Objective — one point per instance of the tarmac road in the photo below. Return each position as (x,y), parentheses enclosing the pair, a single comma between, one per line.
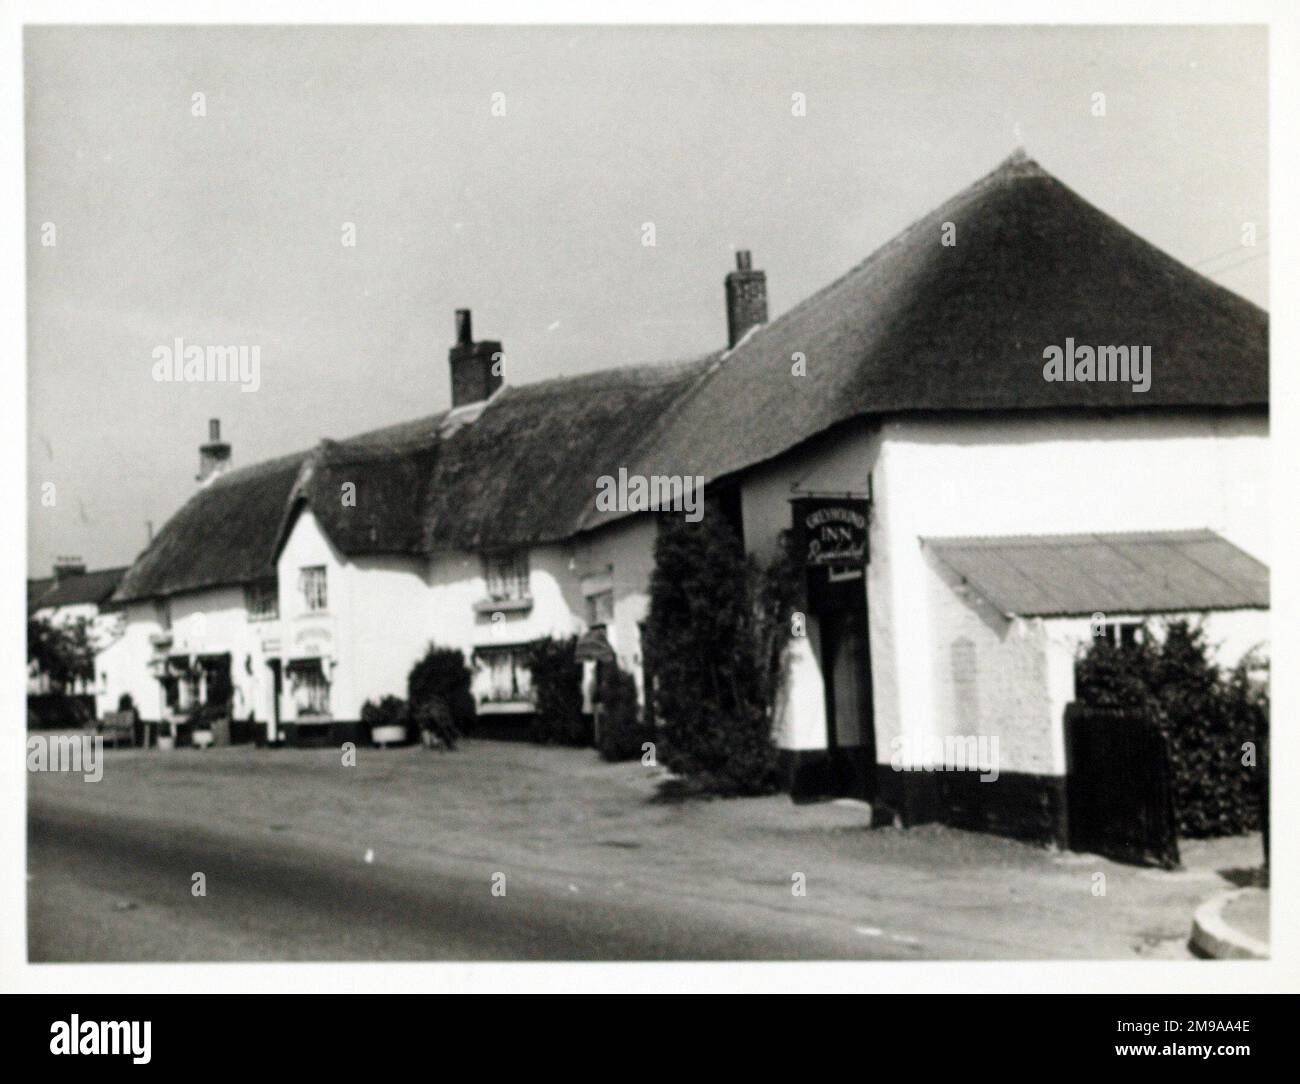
(109,888)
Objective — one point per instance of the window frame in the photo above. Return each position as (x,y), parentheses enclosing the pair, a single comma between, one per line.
(258,592)
(518,656)
(306,577)
(512,584)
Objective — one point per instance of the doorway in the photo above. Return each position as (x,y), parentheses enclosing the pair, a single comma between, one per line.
(846,676)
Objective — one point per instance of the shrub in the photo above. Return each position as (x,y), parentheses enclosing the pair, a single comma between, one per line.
(717,631)
(442,673)
(204,716)
(389,711)
(557,693)
(621,729)
(1206,716)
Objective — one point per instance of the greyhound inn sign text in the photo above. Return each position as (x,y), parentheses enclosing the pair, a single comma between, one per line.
(834,532)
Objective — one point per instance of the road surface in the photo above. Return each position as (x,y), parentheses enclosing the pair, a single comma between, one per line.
(108,888)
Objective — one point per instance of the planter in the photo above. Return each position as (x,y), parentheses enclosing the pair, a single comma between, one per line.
(202,739)
(166,742)
(388,735)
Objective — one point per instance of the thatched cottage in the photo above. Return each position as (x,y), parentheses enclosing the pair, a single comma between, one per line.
(957,505)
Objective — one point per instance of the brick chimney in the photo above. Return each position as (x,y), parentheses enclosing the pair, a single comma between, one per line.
(67,567)
(476,370)
(746,299)
(214,457)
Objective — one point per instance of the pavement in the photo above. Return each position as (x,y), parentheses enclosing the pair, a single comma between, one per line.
(511,851)
(1233,925)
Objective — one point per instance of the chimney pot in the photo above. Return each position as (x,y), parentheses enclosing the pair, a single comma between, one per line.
(746,298)
(475,366)
(214,456)
(66,567)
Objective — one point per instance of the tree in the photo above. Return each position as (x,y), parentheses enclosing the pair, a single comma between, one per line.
(1209,719)
(442,675)
(62,652)
(717,631)
(557,692)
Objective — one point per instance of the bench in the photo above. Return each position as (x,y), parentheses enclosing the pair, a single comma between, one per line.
(116,726)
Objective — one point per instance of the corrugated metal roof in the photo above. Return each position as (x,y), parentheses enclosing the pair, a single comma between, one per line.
(1142,572)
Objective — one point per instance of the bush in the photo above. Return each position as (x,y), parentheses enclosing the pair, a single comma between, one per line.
(717,631)
(1206,716)
(557,693)
(390,711)
(622,732)
(204,716)
(442,673)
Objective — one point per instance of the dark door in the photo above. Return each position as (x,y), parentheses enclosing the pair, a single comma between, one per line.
(850,727)
(1119,786)
(277,680)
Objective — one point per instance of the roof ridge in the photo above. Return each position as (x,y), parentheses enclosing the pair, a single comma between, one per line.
(1015,167)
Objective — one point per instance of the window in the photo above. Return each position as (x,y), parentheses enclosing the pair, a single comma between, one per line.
(504,676)
(162,610)
(506,575)
(1121,633)
(262,601)
(311,581)
(600,609)
(310,688)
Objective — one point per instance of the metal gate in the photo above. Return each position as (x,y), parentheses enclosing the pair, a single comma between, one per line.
(1119,786)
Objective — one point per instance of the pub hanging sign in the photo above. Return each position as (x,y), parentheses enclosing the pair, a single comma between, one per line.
(832,531)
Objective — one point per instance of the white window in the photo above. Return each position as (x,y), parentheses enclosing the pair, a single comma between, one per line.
(505,675)
(506,575)
(311,581)
(262,601)
(310,688)
(1122,633)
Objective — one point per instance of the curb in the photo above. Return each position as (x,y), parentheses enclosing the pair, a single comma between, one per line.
(1212,936)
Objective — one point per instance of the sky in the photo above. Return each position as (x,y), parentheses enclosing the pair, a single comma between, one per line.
(225,225)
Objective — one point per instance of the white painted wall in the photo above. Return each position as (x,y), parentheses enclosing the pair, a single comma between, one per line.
(989,476)
(622,554)
(383,612)
(211,622)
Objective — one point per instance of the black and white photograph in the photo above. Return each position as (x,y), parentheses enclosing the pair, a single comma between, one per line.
(536,490)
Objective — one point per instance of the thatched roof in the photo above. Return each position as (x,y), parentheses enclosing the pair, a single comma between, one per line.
(526,470)
(920,327)
(225,534)
(917,327)
(517,472)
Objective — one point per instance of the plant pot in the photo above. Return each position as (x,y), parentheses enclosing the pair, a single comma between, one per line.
(202,739)
(388,735)
(166,742)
